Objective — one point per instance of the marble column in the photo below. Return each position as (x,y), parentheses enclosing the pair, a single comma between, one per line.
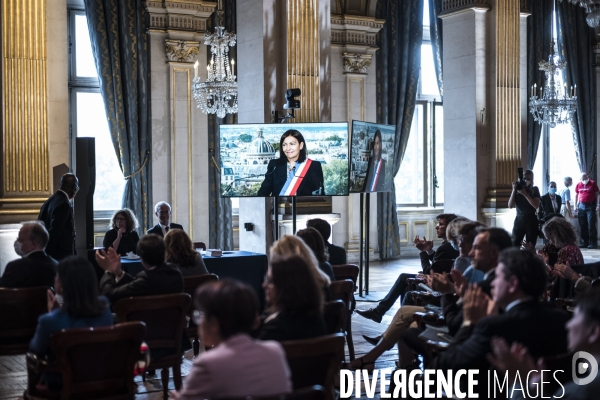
(353,93)
(179,129)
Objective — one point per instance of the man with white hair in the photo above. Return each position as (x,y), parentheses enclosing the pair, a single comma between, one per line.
(35,268)
(162,210)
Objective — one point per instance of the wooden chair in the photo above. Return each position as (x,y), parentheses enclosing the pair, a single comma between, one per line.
(95,363)
(165,319)
(347,271)
(316,392)
(334,314)
(19,312)
(200,245)
(344,290)
(315,361)
(190,284)
(441,266)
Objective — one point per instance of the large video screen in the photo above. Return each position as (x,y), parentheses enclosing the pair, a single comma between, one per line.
(371,157)
(297,159)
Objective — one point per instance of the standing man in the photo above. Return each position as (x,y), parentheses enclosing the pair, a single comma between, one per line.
(550,203)
(57,215)
(35,268)
(162,210)
(586,193)
(566,199)
(337,254)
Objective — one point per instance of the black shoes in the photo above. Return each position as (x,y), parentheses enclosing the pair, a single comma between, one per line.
(372,340)
(583,246)
(371,314)
(592,246)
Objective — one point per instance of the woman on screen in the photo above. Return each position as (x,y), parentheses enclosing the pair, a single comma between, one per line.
(293,174)
(375,180)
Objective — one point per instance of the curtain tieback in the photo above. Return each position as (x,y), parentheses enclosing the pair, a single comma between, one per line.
(212,158)
(141,168)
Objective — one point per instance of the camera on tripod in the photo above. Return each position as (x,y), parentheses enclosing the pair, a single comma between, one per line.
(520,182)
(291,102)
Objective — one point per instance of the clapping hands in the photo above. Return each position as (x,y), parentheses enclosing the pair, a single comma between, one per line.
(109,261)
(423,244)
(565,271)
(477,304)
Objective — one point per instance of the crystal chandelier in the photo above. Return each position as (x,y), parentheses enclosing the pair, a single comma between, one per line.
(592,9)
(218,95)
(555,104)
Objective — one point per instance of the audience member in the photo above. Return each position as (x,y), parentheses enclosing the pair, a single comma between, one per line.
(466,235)
(550,203)
(518,286)
(181,252)
(560,233)
(238,366)
(586,201)
(337,254)
(76,282)
(35,268)
(527,201)
(295,301)
(57,215)
(444,252)
(157,277)
(289,245)
(162,210)
(315,242)
(122,235)
(565,197)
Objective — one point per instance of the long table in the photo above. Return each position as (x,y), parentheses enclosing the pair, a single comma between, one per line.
(244,266)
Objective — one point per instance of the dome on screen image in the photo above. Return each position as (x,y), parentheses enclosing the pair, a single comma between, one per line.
(260,151)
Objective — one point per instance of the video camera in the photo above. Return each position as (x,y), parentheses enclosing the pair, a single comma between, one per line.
(520,182)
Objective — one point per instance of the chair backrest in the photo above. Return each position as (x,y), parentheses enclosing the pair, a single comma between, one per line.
(164,317)
(441,266)
(346,271)
(19,312)
(98,362)
(343,290)
(199,245)
(315,361)
(590,269)
(191,283)
(334,314)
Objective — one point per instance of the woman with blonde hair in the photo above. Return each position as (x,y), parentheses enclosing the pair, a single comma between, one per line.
(181,253)
(289,245)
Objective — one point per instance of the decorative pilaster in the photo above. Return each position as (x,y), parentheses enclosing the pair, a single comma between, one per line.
(356,63)
(25,157)
(181,51)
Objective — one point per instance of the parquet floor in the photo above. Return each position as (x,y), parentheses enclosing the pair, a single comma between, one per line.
(13,375)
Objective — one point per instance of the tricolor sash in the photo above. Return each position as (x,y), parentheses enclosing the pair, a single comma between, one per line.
(374,184)
(291,185)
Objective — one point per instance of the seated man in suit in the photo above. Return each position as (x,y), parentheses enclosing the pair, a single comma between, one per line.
(162,210)
(337,254)
(520,281)
(35,268)
(156,279)
(428,256)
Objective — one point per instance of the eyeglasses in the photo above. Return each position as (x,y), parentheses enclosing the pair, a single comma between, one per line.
(120,219)
(197,317)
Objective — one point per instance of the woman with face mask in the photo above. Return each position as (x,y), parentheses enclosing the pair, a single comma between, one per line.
(527,200)
(550,202)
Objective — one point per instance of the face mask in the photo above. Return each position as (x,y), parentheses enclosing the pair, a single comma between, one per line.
(585,182)
(18,248)
(552,190)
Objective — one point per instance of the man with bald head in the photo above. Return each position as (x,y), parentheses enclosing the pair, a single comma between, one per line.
(586,195)
(57,215)
(35,268)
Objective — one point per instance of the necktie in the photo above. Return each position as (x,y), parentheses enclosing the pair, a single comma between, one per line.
(166,229)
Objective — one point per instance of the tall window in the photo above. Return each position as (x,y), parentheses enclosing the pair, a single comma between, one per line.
(88,116)
(419,182)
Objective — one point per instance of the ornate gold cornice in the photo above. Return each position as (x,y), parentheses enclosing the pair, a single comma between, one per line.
(355,30)
(184,15)
(181,50)
(356,63)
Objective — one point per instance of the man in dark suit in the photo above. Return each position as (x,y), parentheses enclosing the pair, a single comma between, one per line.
(550,202)
(156,279)
(337,254)
(57,215)
(520,281)
(35,268)
(162,210)
(428,256)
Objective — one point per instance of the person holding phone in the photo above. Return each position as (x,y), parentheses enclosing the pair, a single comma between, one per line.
(526,198)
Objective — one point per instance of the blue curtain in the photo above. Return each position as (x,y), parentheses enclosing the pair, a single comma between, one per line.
(539,34)
(118,32)
(435,33)
(575,41)
(398,65)
(220,214)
